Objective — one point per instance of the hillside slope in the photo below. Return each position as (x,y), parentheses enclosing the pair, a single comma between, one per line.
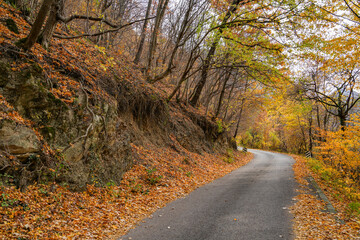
(75,109)
(74,119)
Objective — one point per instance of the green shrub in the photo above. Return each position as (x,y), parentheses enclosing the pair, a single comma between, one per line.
(353,208)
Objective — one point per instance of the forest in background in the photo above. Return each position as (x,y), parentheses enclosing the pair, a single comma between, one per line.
(278,75)
(291,64)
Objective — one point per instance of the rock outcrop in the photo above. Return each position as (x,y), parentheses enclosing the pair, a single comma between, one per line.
(92,141)
(88,140)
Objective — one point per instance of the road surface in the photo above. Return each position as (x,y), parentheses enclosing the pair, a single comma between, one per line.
(250,203)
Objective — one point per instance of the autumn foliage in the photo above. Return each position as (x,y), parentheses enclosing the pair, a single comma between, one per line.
(160,176)
(340,152)
(239,65)
(311,218)
(48,209)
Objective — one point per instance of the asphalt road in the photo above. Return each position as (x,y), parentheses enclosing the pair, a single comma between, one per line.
(249,203)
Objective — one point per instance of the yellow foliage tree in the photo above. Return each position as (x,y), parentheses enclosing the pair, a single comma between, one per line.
(341,150)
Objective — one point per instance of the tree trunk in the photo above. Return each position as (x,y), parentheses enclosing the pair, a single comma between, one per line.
(204,73)
(325,121)
(310,134)
(183,78)
(303,135)
(102,10)
(228,100)
(87,22)
(342,119)
(222,93)
(143,33)
(207,63)
(239,119)
(181,34)
(241,109)
(46,35)
(37,26)
(211,92)
(152,47)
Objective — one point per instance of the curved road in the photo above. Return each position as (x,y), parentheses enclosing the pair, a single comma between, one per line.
(249,203)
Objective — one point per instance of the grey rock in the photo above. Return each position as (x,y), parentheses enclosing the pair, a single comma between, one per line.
(17,139)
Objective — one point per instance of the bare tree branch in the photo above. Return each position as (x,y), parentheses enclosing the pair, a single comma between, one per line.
(101,33)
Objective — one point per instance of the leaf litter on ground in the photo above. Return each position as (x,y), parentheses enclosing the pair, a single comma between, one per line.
(159,176)
(311,218)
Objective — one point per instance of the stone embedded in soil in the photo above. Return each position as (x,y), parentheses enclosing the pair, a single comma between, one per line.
(17,139)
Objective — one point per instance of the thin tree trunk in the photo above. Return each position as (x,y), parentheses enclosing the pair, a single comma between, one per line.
(212,91)
(87,22)
(185,94)
(239,119)
(318,121)
(326,118)
(228,101)
(184,25)
(241,109)
(183,78)
(342,119)
(37,26)
(143,33)
(102,9)
(204,73)
(302,133)
(222,93)
(46,35)
(207,63)
(310,134)
(153,41)
(215,87)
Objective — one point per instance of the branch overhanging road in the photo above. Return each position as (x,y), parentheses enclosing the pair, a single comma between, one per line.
(249,203)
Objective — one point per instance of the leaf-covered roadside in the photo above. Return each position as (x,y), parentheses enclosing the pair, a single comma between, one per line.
(160,176)
(310,219)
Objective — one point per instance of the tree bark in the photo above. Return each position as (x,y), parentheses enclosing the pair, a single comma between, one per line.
(241,109)
(183,78)
(207,63)
(228,100)
(152,47)
(46,35)
(239,119)
(143,34)
(310,134)
(102,10)
(37,26)
(181,35)
(87,22)
(222,93)
(342,119)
